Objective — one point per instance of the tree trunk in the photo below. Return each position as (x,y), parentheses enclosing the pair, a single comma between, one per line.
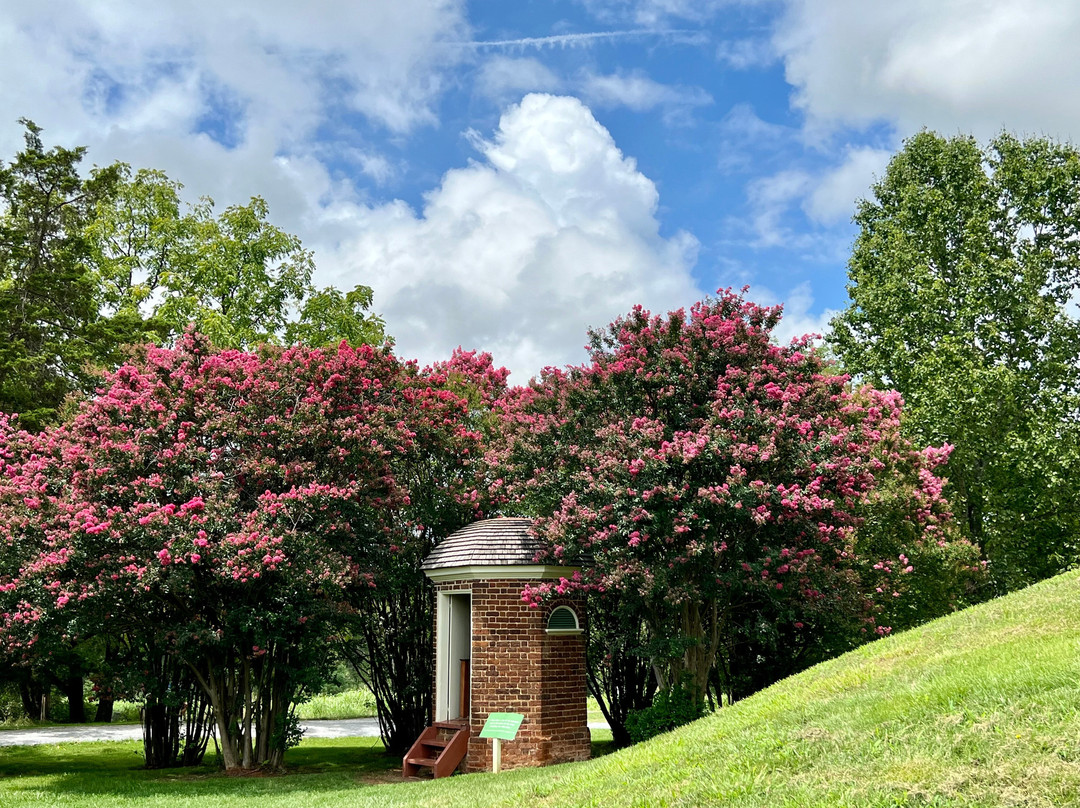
(32,693)
(221,715)
(247,721)
(176,719)
(161,736)
(620,677)
(104,709)
(702,629)
(72,687)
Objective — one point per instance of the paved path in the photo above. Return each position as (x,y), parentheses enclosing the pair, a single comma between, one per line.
(345,728)
(342,728)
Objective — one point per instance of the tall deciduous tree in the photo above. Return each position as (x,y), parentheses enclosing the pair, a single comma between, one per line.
(48,309)
(235,277)
(90,265)
(962,286)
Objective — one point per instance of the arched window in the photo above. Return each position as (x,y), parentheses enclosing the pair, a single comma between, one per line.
(563,620)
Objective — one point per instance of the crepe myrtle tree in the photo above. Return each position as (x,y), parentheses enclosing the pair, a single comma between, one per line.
(389,637)
(713,475)
(30,477)
(233,507)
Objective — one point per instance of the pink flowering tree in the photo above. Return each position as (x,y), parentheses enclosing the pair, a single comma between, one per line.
(718,480)
(388,637)
(48,655)
(231,511)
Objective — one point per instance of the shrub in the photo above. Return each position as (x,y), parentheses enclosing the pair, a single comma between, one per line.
(670,709)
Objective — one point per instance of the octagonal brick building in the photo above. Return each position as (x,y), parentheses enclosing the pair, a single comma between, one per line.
(495,654)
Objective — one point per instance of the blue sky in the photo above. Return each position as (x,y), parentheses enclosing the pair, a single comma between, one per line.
(507,174)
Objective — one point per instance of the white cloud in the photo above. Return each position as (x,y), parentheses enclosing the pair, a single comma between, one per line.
(501,76)
(655,12)
(79,66)
(834,194)
(554,231)
(573,40)
(148,83)
(769,199)
(779,206)
(743,54)
(972,65)
(798,319)
(746,139)
(638,92)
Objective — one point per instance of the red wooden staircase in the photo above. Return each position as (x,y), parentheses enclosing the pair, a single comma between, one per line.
(442,746)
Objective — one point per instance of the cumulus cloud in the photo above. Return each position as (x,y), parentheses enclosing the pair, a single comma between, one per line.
(250,97)
(973,65)
(552,231)
(799,318)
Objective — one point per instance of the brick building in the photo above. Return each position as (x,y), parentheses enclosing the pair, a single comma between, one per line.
(495,654)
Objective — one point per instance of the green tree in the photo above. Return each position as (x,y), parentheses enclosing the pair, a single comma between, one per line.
(50,328)
(237,277)
(90,265)
(961,285)
(328,316)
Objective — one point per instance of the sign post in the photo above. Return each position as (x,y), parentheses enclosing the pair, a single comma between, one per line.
(500,727)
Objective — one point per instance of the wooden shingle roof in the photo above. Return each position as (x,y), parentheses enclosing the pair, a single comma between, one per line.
(502,541)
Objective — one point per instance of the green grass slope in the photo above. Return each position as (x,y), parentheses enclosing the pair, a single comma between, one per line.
(978,709)
(981,708)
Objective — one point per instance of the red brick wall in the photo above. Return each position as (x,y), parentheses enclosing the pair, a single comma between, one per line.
(563,695)
(517,667)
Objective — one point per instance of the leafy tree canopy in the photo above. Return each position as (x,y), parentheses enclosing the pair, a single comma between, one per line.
(49,327)
(88,265)
(962,287)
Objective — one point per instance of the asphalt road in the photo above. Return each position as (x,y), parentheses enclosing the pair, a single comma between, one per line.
(345,728)
(342,728)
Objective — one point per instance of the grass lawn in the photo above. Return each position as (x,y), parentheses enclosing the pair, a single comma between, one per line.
(978,709)
(347,704)
(320,772)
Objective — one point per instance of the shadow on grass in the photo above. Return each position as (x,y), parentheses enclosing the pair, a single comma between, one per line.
(602,743)
(107,773)
(116,769)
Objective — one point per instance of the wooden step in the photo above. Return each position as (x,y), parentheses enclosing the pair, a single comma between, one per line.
(448,751)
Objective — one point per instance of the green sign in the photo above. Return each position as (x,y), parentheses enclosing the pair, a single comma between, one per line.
(502,725)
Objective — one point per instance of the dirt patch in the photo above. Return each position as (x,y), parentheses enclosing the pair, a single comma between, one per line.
(387,776)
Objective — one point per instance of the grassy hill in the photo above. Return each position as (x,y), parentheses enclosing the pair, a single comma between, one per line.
(979,709)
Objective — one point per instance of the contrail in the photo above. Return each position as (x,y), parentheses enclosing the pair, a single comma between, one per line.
(566,40)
